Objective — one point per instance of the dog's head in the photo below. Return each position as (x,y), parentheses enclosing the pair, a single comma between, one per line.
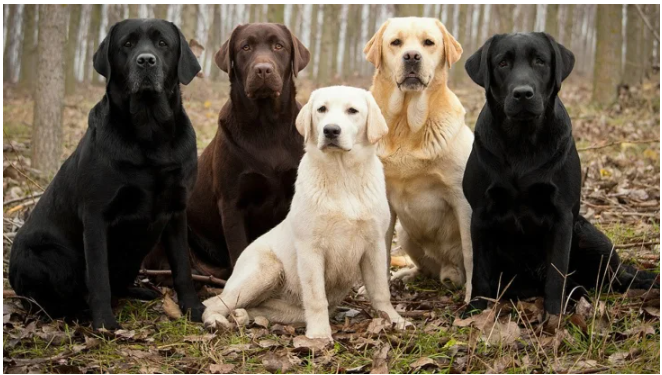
(340,118)
(261,56)
(521,72)
(412,51)
(145,55)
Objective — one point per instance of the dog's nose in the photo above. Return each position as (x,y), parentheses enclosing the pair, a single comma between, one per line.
(523,92)
(412,56)
(146,60)
(331,131)
(263,70)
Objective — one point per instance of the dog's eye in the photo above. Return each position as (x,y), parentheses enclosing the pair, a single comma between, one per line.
(278,46)
(127,44)
(428,42)
(352,111)
(321,109)
(503,64)
(246,47)
(539,61)
(162,43)
(396,42)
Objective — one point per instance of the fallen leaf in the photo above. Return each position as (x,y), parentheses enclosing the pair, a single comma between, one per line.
(377,325)
(652,311)
(423,362)
(199,338)
(276,362)
(171,308)
(501,333)
(268,343)
(619,358)
(221,368)
(380,360)
(479,320)
(310,344)
(235,348)
(261,321)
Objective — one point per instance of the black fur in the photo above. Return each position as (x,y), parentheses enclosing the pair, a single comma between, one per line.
(123,189)
(523,181)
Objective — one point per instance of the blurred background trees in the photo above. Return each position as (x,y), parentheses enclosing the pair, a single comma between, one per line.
(614,45)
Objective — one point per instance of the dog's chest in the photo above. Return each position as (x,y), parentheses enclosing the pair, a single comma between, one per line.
(525,209)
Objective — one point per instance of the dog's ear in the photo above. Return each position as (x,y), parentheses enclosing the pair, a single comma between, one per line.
(101,59)
(376,127)
(300,54)
(224,58)
(478,65)
(188,65)
(564,61)
(304,121)
(373,50)
(452,48)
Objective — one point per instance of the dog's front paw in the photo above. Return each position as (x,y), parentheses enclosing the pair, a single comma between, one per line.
(106,322)
(322,332)
(406,275)
(240,317)
(213,319)
(195,310)
(402,324)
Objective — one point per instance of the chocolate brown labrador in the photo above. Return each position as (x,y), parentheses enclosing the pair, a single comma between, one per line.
(246,174)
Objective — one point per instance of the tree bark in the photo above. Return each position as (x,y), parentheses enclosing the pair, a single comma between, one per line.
(161,11)
(458,73)
(11,45)
(633,69)
(189,20)
(276,13)
(294,17)
(607,68)
(72,45)
(49,93)
(29,49)
(568,24)
(529,15)
(312,46)
(478,40)
(215,40)
(506,23)
(93,41)
(327,61)
(408,10)
(552,20)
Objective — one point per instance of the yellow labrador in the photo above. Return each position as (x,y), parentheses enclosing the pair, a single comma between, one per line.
(334,233)
(427,146)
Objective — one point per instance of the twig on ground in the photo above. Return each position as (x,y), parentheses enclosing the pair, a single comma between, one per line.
(21,199)
(202,278)
(635,244)
(618,143)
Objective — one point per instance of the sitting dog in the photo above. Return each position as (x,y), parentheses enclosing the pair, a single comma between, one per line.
(246,174)
(334,232)
(124,187)
(426,148)
(523,181)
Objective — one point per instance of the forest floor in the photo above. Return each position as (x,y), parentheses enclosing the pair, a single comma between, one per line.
(614,333)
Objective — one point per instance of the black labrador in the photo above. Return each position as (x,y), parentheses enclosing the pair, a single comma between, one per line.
(123,189)
(523,181)
(247,172)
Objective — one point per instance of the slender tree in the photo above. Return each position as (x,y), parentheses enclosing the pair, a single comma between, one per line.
(294,17)
(134,10)
(93,41)
(478,40)
(49,93)
(568,23)
(72,45)
(408,10)
(458,70)
(276,13)
(215,39)
(29,48)
(312,43)
(161,11)
(325,67)
(12,43)
(607,70)
(552,20)
(633,68)
(189,20)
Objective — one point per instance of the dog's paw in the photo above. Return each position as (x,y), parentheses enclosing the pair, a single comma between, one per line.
(240,317)
(215,320)
(403,324)
(406,275)
(323,332)
(196,311)
(108,322)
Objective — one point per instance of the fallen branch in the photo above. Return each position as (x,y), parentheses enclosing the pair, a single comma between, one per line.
(636,244)
(618,143)
(202,278)
(8,293)
(21,199)
(645,19)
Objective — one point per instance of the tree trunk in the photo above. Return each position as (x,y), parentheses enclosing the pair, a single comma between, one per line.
(11,45)
(161,11)
(29,49)
(134,10)
(215,40)
(72,45)
(506,23)
(312,45)
(529,15)
(350,30)
(49,93)
(568,25)
(478,40)
(189,20)
(276,13)
(633,69)
(329,30)
(93,41)
(552,20)
(334,41)
(607,54)
(461,36)
(408,10)
(294,17)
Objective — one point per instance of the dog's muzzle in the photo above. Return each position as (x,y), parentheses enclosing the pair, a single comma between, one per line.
(411,79)
(523,104)
(146,74)
(263,81)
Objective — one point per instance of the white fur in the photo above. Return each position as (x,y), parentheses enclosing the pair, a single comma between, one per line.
(333,234)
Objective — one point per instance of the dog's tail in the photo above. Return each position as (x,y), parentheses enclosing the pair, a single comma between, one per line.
(593,252)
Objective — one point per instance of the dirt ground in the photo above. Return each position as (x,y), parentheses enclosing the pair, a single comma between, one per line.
(620,152)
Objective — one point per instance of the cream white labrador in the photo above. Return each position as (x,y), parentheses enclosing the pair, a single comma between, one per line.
(334,233)
(427,146)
